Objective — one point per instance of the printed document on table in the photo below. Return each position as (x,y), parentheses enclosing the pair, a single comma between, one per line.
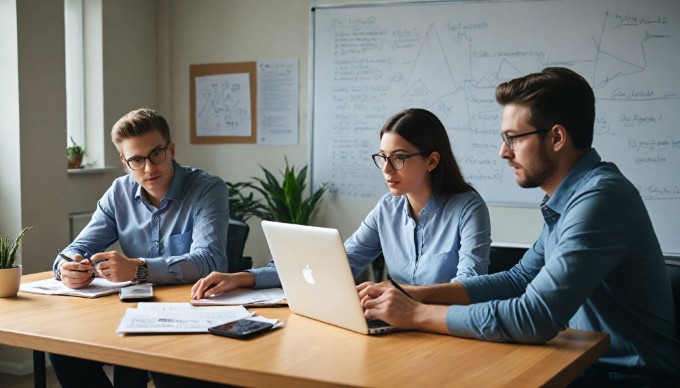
(151,317)
(247,297)
(98,287)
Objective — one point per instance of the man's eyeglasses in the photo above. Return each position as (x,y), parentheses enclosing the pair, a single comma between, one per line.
(156,157)
(395,161)
(509,140)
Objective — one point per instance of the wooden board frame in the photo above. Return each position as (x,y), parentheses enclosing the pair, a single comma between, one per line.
(216,69)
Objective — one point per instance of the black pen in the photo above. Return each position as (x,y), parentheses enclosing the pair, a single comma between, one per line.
(395,284)
(70,260)
(63,256)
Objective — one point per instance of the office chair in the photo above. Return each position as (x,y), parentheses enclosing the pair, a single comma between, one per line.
(236,243)
(378,266)
(503,258)
(673,269)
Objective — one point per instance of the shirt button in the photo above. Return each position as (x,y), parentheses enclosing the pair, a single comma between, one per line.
(156,242)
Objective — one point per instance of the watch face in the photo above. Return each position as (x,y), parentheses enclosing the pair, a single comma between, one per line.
(141,272)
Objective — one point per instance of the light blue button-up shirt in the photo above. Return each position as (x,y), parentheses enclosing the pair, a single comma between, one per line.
(597,266)
(183,240)
(451,241)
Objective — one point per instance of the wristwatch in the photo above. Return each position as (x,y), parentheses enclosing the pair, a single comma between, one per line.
(142,271)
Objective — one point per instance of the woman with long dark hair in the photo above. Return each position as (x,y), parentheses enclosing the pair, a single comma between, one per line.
(432,227)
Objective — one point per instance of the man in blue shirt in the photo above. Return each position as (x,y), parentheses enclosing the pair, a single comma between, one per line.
(597,264)
(170,221)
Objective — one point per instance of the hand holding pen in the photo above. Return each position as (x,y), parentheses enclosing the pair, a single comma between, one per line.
(75,274)
(397,286)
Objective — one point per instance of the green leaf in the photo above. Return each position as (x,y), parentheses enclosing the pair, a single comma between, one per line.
(272,199)
(7,252)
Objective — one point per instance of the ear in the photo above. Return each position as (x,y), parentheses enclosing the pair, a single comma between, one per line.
(558,136)
(171,148)
(122,161)
(433,160)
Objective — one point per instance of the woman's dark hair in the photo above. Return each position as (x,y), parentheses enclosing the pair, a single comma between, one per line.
(425,131)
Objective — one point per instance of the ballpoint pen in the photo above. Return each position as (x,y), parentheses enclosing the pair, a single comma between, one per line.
(398,287)
(64,257)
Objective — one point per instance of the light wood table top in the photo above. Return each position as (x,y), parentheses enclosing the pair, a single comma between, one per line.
(305,353)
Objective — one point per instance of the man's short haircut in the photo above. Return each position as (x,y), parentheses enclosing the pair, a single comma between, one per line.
(137,123)
(556,95)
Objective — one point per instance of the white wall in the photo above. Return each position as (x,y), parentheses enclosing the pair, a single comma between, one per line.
(219,31)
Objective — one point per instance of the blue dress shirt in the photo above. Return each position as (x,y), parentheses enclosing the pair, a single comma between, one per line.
(183,240)
(451,241)
(597,266)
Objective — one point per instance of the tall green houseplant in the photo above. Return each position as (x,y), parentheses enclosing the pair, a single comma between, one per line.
(7,251)
(281,201)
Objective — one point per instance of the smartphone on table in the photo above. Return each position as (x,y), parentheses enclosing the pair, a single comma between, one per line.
(136,292)
(241,329)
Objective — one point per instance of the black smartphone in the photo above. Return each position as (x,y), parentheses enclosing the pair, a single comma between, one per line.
(243,328)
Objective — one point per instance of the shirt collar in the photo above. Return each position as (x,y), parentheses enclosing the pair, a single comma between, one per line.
(570,182)
(175,189)
(434,204)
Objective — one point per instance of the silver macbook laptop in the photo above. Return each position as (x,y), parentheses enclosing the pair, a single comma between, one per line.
(316,276)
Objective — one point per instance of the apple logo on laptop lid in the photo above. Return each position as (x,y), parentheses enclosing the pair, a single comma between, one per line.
(307,274)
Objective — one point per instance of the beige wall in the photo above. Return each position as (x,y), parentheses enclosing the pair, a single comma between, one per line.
(42,120)
(217,31)
(33,183)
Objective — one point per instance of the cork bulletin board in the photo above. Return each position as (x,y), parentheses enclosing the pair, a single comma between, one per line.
(223,103)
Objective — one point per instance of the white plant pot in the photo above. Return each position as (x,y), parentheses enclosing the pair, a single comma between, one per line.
(10,279)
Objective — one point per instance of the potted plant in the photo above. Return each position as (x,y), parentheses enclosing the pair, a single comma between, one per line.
(280,201)
(10,274)
(75,154)
(241,206)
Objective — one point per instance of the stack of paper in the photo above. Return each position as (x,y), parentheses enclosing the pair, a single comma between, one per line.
(246,297)
(98,287)
(150,317)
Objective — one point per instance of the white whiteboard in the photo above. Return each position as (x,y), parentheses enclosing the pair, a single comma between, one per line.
(369,61)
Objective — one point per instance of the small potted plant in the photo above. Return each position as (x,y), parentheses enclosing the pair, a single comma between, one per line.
(10,274)
(279,200)
(75,154)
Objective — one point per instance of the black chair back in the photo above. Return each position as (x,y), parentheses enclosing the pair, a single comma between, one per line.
(673,269)
(236,243)
(504,258)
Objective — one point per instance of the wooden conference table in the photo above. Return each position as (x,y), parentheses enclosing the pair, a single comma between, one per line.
(305,353)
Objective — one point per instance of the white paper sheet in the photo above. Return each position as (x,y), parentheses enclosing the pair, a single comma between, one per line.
(245,296)
(177,318)
(98,287)
(277,102)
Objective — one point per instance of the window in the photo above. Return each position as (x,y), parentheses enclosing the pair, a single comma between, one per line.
(85,77)
(75,74)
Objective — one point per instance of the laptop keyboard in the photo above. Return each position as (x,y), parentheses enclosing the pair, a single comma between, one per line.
(376,323)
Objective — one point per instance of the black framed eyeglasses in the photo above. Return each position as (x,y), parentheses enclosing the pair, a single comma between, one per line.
(395,161)
(156,157)
(510,139)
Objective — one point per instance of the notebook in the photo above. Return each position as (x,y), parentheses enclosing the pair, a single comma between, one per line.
(316,276)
